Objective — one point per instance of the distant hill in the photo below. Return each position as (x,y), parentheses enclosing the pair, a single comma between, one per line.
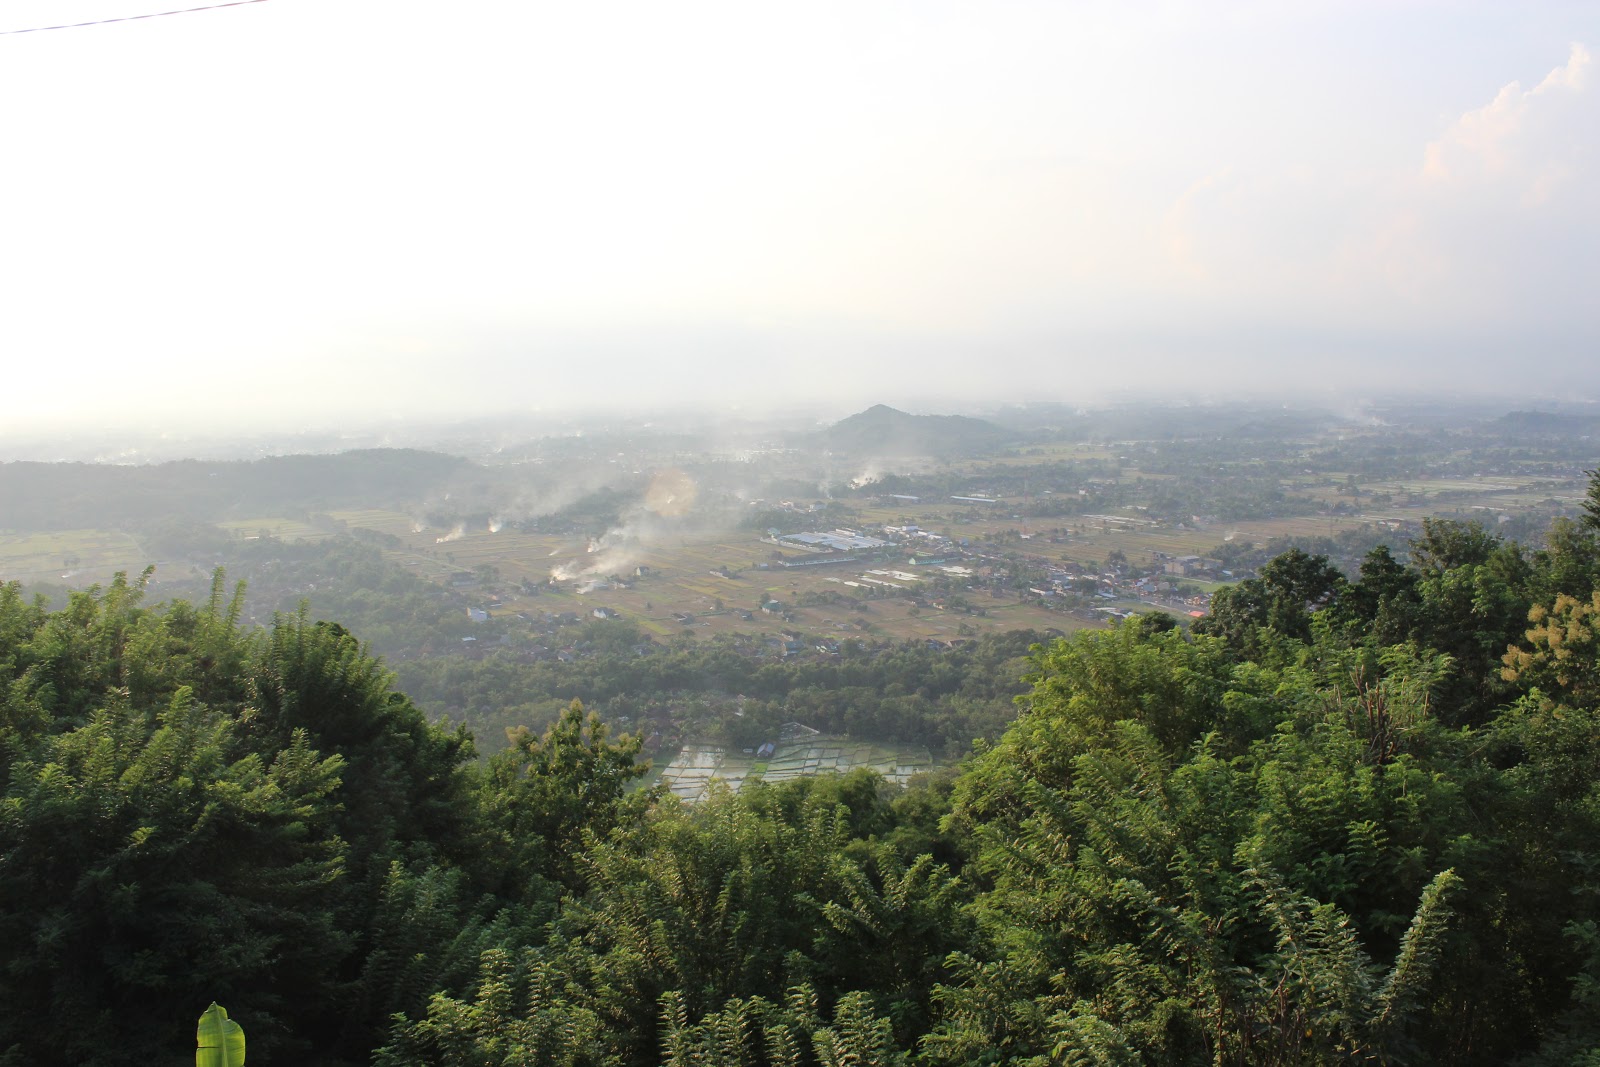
(883,431)
(46,496)
(1166,422)
(1547,424)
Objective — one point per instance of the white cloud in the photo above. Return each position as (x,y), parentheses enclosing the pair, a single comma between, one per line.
(1499,228)
(301,207)
(1522,135)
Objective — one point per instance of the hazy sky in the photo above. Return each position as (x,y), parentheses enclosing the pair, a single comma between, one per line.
(301,210)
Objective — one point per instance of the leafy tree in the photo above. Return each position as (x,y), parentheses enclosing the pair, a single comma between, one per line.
(429,933)
(1448,544)
(1129,929)
(1569,562)
(1472,611)
(1384,603)
(404,783)
(525,1010)
(1171,682)
(754,1031)
(148,866)
(1280,601)
(1176,895)
(717,902)
(1559,654)
(541,797)
(1591,501)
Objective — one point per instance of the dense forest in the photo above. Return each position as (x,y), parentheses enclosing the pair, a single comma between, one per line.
(1340,819)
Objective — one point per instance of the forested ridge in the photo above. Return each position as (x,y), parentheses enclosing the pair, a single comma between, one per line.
(52,496)
(1341,819)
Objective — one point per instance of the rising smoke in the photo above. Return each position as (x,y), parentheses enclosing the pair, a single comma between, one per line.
(667,500)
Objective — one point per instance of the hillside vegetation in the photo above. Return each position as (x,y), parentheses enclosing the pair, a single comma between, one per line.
(52,496)
(1344,820)
(885,431)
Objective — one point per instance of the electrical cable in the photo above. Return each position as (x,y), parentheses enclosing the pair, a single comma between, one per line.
(132,18)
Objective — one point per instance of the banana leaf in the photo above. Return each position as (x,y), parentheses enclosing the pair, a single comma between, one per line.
(220,1039)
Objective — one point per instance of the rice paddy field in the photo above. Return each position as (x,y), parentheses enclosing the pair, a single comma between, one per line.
(72,557)
(705,581)
(683,574)
(683,579)
(282,529)
(1082,538)
(691,772)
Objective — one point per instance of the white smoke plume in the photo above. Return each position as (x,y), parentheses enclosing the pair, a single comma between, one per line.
(615,552)
(670,496)
(879,468)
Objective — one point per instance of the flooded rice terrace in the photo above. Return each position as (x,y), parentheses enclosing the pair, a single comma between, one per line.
(799,752)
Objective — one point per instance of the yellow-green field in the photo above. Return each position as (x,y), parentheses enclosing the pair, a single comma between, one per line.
(681,577)
(282,529)
(1048,452)
(391,522)
(1091,537)
(73,557)
(682,571)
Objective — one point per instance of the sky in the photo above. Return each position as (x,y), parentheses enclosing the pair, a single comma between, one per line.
(297,213)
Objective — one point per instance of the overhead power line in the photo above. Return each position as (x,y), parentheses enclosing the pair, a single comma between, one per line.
(132,18)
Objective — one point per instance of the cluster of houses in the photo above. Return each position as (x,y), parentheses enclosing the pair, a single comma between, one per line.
(915,557)
(793,644)
(991,565)
(1117,586)
(1067,581)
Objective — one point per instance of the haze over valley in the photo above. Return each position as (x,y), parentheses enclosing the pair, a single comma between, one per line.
(758,535)
(359,212)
